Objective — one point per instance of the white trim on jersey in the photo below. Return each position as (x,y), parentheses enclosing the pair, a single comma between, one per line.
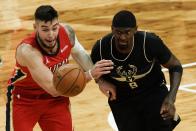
(144,48)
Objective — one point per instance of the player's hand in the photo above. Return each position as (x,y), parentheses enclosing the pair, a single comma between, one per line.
(101,67)
(168,109)
(107,89)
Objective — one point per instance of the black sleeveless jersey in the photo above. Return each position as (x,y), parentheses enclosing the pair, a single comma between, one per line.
(141,68)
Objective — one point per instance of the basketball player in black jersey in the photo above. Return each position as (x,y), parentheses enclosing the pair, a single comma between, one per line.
(139,98)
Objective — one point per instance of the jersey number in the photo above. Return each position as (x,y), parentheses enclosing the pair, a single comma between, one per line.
(133,85)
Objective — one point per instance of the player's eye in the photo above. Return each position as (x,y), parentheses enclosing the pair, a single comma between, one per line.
(54,29)
(45,30)
(128,32)
(119,33)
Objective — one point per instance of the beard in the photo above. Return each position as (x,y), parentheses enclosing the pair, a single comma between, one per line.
(45,45)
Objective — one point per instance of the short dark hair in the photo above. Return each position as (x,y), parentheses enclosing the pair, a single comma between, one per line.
(45,13)
(124,18)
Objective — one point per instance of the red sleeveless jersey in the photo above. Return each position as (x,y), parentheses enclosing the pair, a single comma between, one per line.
(22,79)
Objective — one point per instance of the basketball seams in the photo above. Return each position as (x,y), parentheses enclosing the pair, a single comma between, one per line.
(74,81)
(64,76)
(69,80)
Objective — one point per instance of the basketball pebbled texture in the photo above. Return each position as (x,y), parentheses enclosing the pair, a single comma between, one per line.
(69,80)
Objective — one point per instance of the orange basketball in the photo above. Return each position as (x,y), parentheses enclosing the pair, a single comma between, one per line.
(69,80)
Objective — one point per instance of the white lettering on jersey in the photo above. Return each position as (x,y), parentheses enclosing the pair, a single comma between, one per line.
(56,66)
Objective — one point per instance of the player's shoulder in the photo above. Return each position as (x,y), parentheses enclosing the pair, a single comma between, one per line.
(148,33)
(67,28)
(24,50)
(70,31)
(24,47)
(151,35)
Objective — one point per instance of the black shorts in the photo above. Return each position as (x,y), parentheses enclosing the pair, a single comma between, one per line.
(141,112)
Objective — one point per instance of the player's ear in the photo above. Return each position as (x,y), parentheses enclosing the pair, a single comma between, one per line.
(34,26)
(112,28)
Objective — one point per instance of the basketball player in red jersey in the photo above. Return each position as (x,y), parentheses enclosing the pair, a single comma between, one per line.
(34,97)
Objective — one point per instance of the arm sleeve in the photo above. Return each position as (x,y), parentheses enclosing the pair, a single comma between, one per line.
(80,55)
(155,48)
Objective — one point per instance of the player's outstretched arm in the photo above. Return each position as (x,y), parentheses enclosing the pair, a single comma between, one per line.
(31,58)
(83,59)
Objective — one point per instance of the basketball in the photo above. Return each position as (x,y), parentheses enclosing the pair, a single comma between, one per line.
(69,80)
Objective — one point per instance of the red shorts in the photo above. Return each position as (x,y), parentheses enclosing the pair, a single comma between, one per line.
(52,114)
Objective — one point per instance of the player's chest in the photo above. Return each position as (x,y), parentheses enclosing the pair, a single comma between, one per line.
(54,63)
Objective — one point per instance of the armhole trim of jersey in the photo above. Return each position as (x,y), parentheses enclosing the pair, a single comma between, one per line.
(100,49)
(144,43)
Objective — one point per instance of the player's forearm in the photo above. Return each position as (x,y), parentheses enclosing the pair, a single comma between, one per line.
(44,79)
(46,83)
(49,88)
(175,79)
(83,59)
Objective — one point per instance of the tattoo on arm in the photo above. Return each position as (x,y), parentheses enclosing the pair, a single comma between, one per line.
(71,33)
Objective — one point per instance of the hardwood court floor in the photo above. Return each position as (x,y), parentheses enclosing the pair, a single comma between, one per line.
(173,20)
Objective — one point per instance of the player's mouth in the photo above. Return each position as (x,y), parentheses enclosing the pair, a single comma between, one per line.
(51,42)
(123,43)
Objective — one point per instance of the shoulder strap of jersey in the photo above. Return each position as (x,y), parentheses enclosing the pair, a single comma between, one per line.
(144,45)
